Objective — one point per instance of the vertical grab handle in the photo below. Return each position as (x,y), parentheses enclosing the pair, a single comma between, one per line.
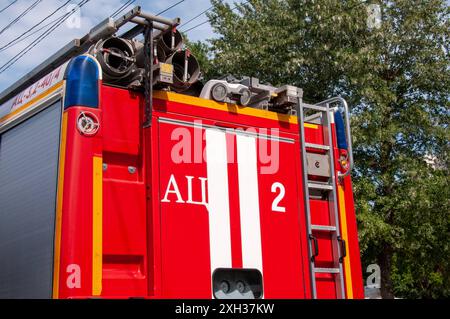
(343,249)
(316,246)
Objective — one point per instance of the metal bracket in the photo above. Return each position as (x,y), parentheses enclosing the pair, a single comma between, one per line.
(148,74)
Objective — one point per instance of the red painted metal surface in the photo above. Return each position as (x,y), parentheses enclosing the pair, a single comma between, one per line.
(356,270)
(184,227)
(124,196)
(158,248)
(76,225)
(283,234)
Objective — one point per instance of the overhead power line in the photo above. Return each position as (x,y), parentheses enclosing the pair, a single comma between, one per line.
(207,21)
(25,35)
(125,5)
(20,16)
(130,2)
(170,7)
(8,6)
(16,39)
(196,26)
(45,34)
(52,25)
(197,16)
(15,42)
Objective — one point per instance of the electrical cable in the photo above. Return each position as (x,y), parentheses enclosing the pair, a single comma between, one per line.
(56,23)
(20,16)
(45,34)
(207,21)
(126,4)
(37,24)
(8,6)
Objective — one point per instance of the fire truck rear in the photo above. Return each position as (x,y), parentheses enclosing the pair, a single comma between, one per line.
(122,175)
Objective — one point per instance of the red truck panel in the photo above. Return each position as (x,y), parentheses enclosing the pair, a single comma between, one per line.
(170,217)
(124,217)
(185,229)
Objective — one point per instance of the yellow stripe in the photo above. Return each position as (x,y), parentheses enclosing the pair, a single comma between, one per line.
(309,125)
(185,99)
(59,202)
(97,211)
(344,235)
(32,101)
(192,100)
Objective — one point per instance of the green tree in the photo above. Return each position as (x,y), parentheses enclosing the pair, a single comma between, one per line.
(396,76)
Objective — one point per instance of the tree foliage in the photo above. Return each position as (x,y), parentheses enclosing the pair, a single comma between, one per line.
(396,76)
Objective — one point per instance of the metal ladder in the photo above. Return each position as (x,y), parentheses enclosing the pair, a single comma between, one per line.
(322,114)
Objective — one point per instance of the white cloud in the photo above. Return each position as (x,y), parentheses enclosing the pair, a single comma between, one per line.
(91,14)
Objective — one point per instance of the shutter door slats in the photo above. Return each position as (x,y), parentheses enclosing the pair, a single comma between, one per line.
(28,180)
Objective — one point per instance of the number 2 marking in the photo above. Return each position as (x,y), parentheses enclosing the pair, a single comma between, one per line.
(276,202)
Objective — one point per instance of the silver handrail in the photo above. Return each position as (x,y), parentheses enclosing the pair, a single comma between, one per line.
(347,129)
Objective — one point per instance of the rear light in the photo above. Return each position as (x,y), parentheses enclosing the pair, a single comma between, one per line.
(343,160)
(229,283)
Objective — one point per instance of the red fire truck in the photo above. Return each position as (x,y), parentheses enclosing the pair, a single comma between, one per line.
(122,175)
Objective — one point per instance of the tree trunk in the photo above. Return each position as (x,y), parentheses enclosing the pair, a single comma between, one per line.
(385,263)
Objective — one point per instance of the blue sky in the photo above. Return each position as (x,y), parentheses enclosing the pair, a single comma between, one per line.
(91,14)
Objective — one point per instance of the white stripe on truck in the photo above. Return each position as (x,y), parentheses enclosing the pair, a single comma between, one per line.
(249,202)
(218,200)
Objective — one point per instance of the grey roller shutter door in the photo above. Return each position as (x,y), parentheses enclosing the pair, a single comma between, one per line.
(28,183)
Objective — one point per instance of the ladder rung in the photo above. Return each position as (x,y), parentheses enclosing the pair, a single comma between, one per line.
(315,118)
(327,187)
(317,146)
(314,107)
(327,270)
(323,228)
